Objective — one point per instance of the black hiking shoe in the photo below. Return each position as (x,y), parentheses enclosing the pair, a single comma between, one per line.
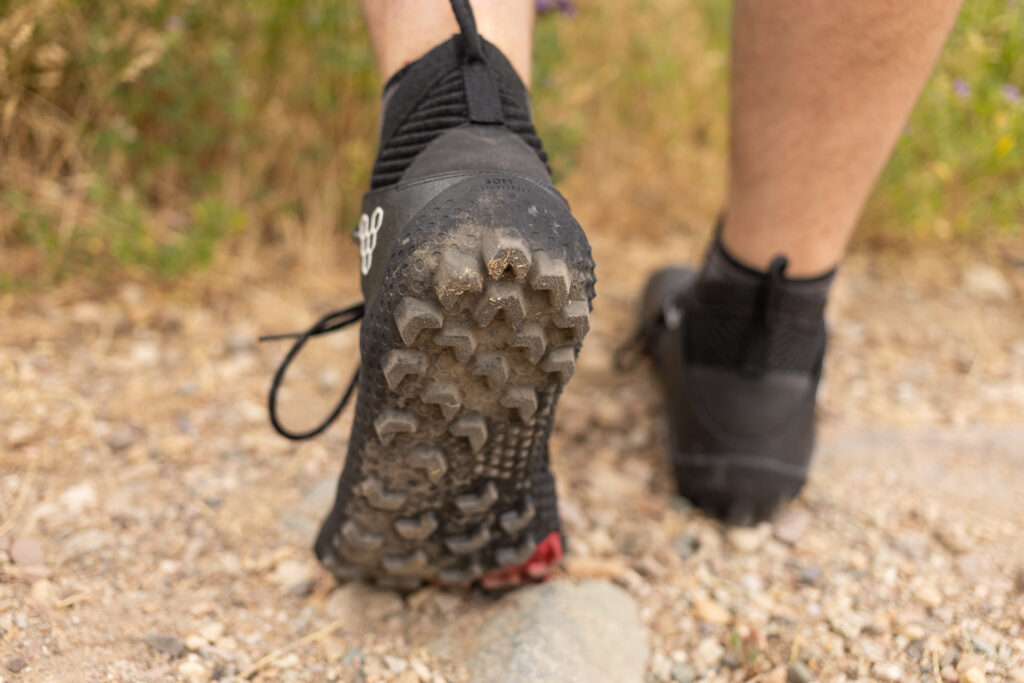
(478,284)
(741,430)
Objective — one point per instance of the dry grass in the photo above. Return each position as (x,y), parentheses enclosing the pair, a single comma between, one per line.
(161,135)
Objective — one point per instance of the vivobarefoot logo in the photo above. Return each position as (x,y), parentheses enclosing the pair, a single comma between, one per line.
(367,231)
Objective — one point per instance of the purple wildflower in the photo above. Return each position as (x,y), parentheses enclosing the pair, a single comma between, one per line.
(1011,93)
(962,88)
(567,7)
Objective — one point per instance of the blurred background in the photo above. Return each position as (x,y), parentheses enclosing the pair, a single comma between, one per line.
(152,136)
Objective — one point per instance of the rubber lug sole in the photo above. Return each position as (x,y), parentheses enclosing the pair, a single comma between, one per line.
(739,490)
(465,348)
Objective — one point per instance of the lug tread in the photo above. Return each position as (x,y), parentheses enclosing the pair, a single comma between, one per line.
(515,521)
(431,462)
(458,274)
(516,555)
(562,361)
(501,296)
(459,338)
(360,537)
(446,396)
(478,503)
(392,422)
(522,399)
(465,544)
(413,315)
(418,529)
(481,324)
(530,337)
(551,274)
(373,491)
(503,250)
(400,363)
(473,428)
(575,315)
(493,367)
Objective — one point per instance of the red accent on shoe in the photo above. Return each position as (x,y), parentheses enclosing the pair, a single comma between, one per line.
(545,557)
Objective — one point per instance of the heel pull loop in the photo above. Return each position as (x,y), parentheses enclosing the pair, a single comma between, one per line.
(757,346)
(482,97)
(467,26)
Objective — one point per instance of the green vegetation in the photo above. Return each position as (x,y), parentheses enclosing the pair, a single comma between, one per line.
(958,170)
(141,134)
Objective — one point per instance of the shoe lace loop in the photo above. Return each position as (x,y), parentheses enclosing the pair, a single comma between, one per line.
(467,26)
(331,322)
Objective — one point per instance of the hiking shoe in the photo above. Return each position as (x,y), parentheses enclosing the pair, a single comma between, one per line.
(741,430)
(478,285)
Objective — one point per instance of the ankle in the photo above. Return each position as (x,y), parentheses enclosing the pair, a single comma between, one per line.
(754,321)
(442,90)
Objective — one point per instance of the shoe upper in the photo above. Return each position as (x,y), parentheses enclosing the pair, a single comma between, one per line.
(754,415)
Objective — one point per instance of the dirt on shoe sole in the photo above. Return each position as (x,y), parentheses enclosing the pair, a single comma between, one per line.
(465,350)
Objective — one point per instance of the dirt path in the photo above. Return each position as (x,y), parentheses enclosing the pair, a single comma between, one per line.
(154,527)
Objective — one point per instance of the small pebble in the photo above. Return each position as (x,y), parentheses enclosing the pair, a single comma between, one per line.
(193,671)
(421,670)
(797,672)
(121,438)
(776,675)
(289,661)
(929,595)
(973,675)
(969,661)
(328,379)
(683,673)
(888,671)
(710,611)
(709,652)
(16,664)
(44,593)
(810,574)
(291,573)
(409,676)
(194,642)
(686,545)
(168,644)
(982,646)
(915,649)
(748,539)
(27,552)
(846,624)
(238,340)
(21,433)
(986,282)
(396,664)
(1016,675)
(212,630)
(790,524)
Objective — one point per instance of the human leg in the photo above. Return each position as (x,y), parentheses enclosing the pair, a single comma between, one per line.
(404,30)
(478,283)
(820,92)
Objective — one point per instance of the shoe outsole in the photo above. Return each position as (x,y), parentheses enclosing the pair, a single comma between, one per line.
(465,350)
(735,491)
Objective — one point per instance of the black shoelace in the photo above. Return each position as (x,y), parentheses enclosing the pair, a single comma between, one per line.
(756,344)
(331,322)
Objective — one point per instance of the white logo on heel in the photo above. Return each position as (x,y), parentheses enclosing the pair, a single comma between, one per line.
(367,231)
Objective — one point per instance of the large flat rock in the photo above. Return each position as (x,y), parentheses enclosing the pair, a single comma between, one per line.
(559,631)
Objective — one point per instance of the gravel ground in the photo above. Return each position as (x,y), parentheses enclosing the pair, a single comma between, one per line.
(153,527)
